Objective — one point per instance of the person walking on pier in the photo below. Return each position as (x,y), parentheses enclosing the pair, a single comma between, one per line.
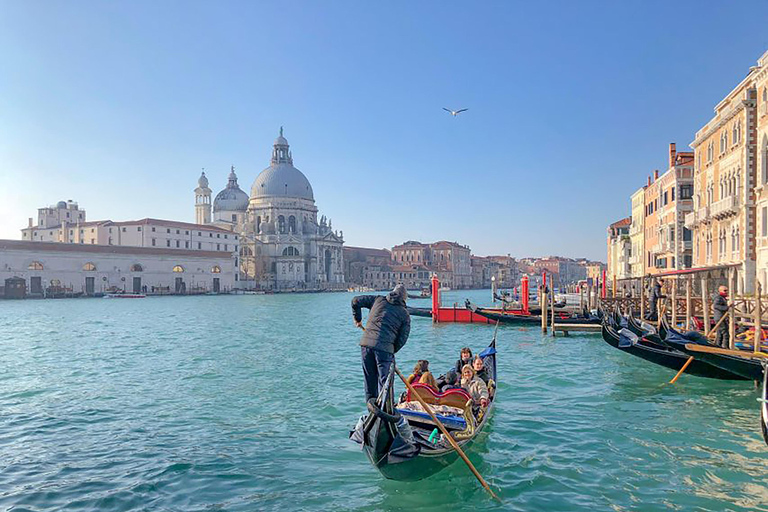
(653,300)
(720,306)
(386,331)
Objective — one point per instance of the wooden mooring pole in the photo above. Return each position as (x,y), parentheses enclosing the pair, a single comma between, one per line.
(732,325)
(642,298)
(705,304)
(674,303)
(758,317)
(543,300)
(688,304)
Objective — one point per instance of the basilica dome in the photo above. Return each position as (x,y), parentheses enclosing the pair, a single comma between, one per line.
(232,198)
(281,178)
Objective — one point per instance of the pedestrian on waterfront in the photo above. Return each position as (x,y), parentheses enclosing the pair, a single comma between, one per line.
(720,306)
(386,331)
(653,300)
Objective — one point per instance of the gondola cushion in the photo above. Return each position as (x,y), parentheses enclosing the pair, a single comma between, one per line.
(453,397)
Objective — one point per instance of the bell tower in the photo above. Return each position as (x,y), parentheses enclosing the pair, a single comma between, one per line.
(202,201)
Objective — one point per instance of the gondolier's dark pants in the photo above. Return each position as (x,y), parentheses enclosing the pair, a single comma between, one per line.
(376,365)
(723,334)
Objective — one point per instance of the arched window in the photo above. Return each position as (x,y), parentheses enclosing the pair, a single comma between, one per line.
(216,269)
(178,268)
(137,268)
(281,224)
(290,251)
(35,265)
(89,267)
(292,224)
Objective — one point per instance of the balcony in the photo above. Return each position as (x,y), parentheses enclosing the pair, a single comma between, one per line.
(686,245)
(700,216)
(725,208)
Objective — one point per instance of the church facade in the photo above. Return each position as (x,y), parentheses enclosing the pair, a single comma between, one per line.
(283,243)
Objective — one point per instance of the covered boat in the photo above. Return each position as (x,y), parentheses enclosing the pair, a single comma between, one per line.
(402,442)
(629,342)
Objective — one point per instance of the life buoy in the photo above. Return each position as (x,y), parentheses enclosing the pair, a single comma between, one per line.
(374,409)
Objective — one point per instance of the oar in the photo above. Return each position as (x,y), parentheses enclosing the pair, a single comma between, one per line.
(690,359)
(722,319)
(448,436)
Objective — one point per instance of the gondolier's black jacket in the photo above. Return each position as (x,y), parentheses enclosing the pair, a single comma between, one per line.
(389,323)
(720,305)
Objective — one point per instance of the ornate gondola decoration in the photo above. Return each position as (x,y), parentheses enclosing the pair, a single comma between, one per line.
(400,441)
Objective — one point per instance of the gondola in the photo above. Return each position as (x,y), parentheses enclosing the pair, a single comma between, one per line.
(764,403)
(506,317)
(403,444)
(626,341)
(745,367)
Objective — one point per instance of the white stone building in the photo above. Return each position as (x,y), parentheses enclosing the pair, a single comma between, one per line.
(283,244)
(51,268)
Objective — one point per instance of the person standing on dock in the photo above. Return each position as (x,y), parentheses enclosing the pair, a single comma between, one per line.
(386,331)
(653,300)
(720,306)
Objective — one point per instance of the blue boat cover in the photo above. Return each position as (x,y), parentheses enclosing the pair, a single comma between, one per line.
(453,422)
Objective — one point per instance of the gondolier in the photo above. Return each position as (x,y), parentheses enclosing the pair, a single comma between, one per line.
(386,331)
(720,307)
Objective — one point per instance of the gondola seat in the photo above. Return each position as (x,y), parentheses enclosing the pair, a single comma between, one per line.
(452,397)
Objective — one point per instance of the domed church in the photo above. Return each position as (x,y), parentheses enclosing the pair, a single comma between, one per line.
(283,244)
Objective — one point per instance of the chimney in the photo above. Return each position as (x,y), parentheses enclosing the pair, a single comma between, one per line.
(672,153)
(649,181)
(655,175)
(30,222)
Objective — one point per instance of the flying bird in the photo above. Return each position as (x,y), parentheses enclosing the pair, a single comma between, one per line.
(454,113)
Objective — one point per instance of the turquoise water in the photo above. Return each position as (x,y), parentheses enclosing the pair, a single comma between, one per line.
(245,402)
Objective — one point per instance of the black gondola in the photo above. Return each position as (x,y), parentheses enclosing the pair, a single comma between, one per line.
(764,403)
(519,319)
(402,443)
(630,343)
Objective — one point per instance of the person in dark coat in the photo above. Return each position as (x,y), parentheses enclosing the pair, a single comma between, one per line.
(720,307)
(653,300)
(386,331)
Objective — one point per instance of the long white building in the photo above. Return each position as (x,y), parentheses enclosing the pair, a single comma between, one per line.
(50,268)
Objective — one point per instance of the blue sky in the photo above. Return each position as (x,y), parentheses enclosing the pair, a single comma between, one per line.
(571,105)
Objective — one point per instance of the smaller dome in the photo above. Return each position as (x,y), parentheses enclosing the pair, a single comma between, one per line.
(232,198)
(203,181)
(61,204)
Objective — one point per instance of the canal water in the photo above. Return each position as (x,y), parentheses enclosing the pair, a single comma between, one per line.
(244,403)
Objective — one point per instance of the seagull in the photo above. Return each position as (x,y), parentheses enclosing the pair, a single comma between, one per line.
(454,113)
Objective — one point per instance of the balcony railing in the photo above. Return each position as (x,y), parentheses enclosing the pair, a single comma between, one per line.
(725,208)
(686,245)
(690,219)
(702,215)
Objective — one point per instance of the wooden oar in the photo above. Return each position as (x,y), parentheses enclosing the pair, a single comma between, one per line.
(722,319)
(445,432)
(689,361)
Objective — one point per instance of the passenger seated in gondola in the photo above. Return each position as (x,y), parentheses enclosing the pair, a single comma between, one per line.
(480,370)
(465,357)
(422,375)
(474,386)
(449,381)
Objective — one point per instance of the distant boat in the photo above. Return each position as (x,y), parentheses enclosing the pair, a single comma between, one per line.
(125,296)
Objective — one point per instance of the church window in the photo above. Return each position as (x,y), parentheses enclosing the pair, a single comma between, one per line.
(89,267)
(186,245)
(199,245)
(226,247)
(124,229)
(292,224)
(178,268)
(199,233)
(274,267)
(177,232)
(153,229)
(137,268)
(154,241)
(168,230)
(210,235)
(186,232)
(281,224)
(218,247)
(35,265)
(138,228)
(167,243)
(216,269)
(177,244)
(218,235)
(234,218)
(225,236)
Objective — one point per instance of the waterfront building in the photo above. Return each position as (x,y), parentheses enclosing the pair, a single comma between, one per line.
(367,267)
(761,171)
(66,223)
(501,269)
(449,260)
(725,175)
(637,234)
(58,269)
(669,197)
(284,244)
(619,249)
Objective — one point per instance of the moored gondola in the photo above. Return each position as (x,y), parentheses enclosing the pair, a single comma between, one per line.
(627,341)
(764,403)
(403,443)
(507,317)
(425,312)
